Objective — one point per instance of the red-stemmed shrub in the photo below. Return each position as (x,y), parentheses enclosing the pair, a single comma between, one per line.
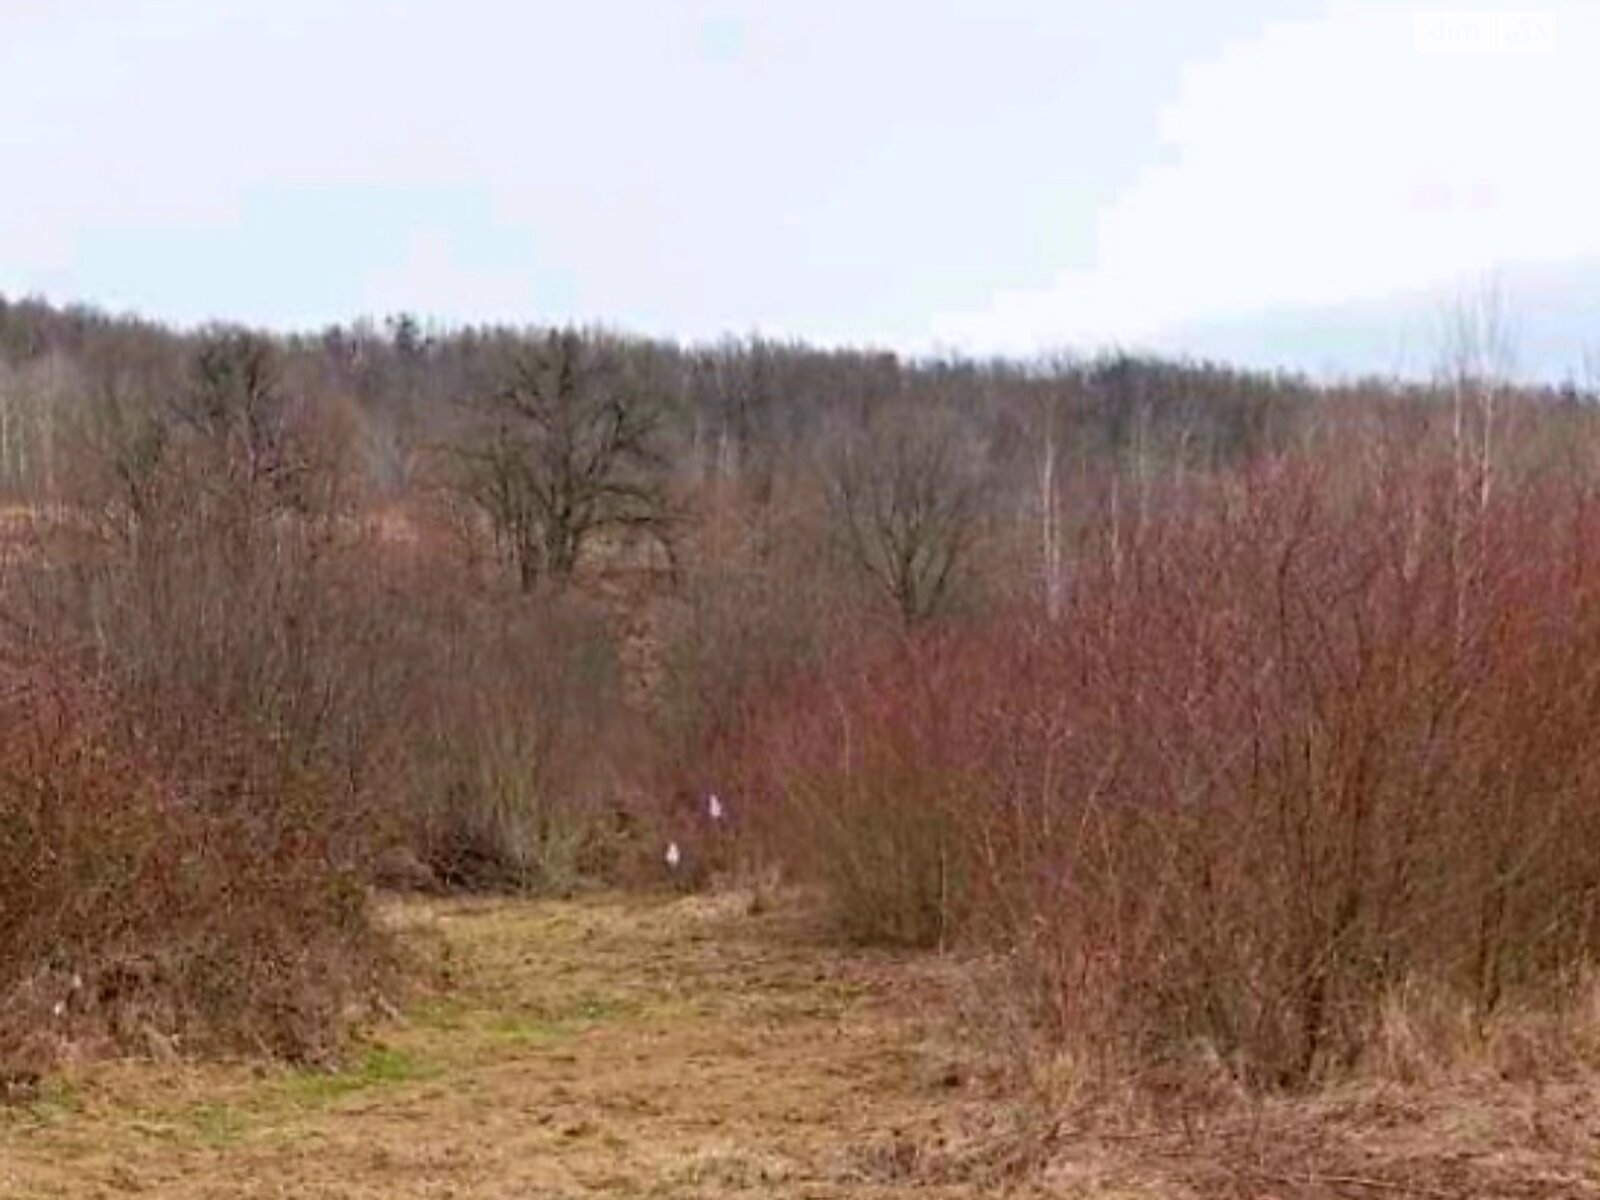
(132,917)
(1308,740)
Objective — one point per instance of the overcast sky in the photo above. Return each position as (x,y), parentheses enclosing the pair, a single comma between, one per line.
(994,175)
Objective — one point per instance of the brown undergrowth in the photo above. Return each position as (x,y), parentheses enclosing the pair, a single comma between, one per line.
(1297,788)
(132,920)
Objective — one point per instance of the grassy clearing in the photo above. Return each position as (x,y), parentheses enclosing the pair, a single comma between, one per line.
(602,1047)
(655,1048)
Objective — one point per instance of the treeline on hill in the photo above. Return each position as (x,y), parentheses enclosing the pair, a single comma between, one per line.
(1245,721)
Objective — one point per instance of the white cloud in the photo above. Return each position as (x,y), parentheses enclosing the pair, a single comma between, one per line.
(1380,148)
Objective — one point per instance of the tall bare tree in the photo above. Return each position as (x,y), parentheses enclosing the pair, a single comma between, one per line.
(908,493)
(565,449)
(1478,361)
(237,407)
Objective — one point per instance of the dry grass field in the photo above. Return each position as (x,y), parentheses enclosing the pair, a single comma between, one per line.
(691,1048)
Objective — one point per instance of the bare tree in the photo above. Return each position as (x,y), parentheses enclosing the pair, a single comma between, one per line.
(1051,533)
(908,493)
(214,432)
(565,450)
(1478,361)
(123,445)
(1479,358)
(236,406)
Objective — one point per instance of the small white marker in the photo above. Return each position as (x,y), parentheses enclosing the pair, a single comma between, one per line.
(674,856)
(714,807)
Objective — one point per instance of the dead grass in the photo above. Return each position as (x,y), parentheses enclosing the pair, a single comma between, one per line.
(1482,1139)
(677,1048)
(606,1047)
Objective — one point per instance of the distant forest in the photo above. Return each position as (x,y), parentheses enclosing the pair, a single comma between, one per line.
(751,408)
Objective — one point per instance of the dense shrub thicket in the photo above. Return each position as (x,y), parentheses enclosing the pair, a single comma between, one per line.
(131,917)
(1247,720)
(1307,754)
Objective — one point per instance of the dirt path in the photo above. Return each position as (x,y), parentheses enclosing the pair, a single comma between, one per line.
(597,1048)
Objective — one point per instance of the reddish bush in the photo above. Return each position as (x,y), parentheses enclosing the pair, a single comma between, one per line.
(130,916)
(1301,742)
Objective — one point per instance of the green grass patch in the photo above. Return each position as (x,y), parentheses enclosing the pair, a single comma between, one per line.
(55,1101)
(378,1067)
(218,1124)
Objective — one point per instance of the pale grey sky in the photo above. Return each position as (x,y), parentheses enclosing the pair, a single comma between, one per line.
(992,175)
